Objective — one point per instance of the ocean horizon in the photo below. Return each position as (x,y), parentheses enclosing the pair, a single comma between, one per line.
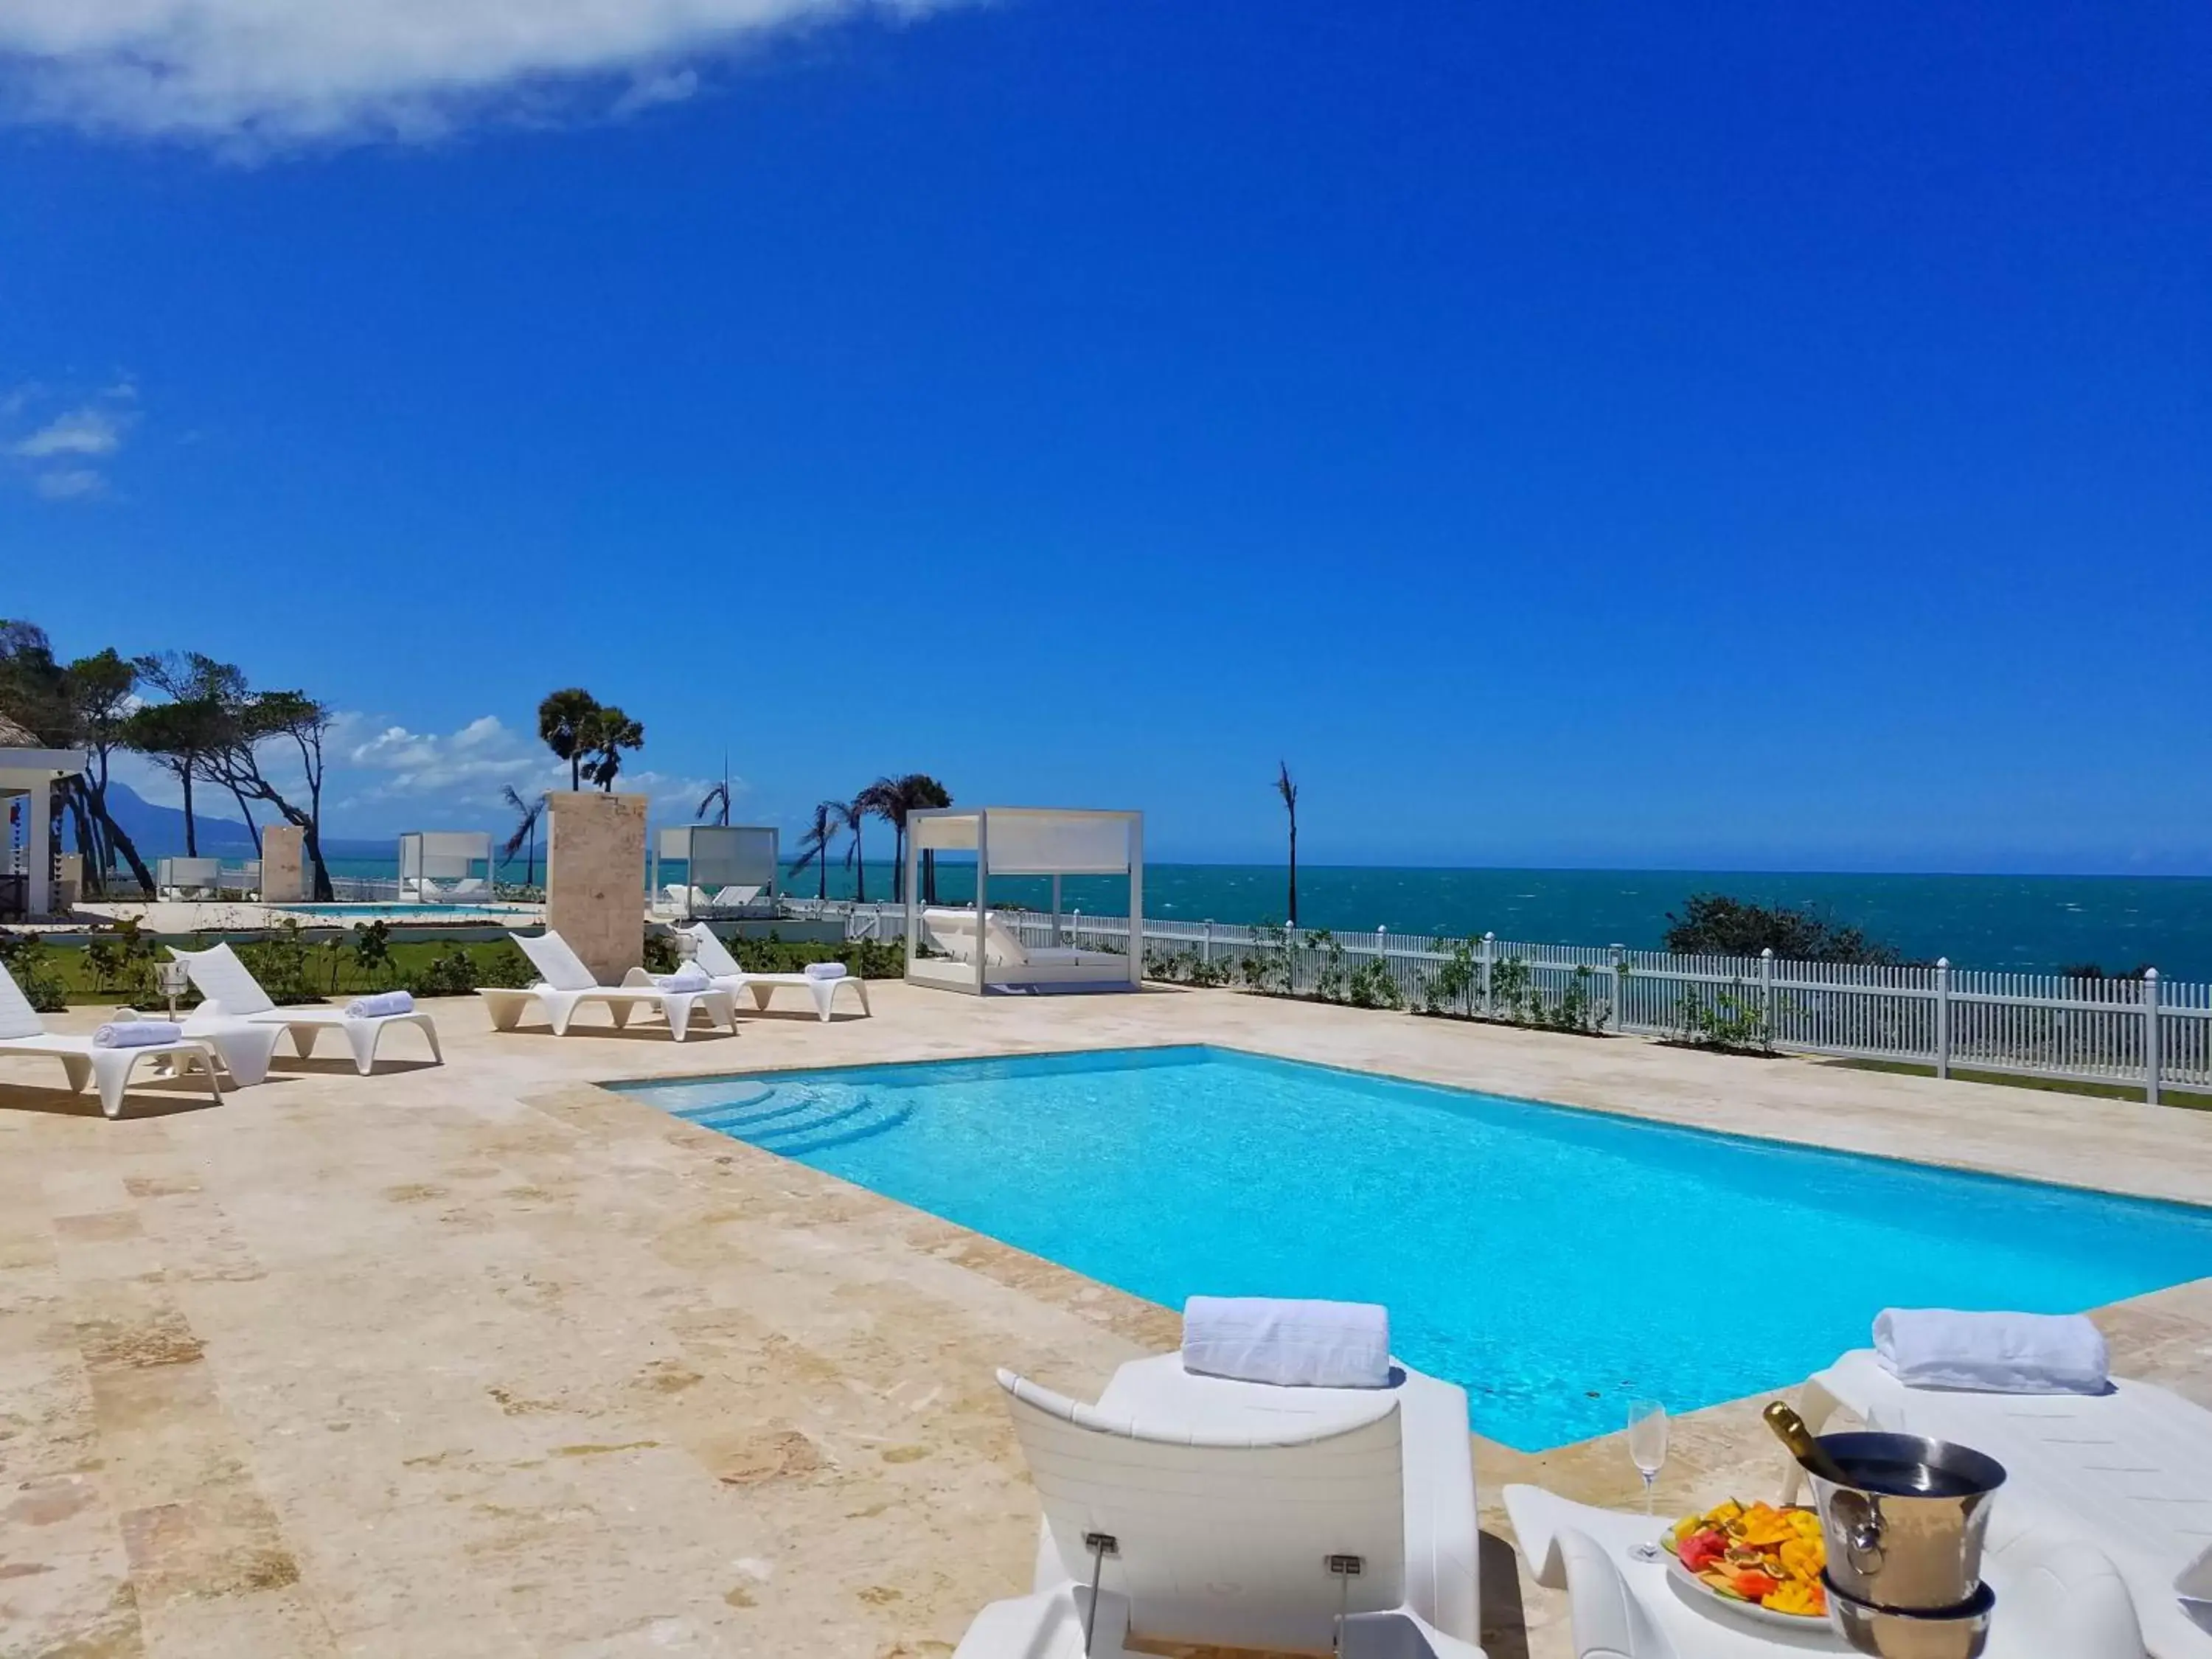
(2031,924)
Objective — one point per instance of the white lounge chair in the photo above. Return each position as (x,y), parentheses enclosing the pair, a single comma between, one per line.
(2056,1598)
(231,992)
(22,1032)
(565,984)
(953,932)
(1230,1506)
(715,958)
(2130,1471)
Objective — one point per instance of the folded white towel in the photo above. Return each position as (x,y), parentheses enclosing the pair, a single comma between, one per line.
(382,1004)
(1992,1352)
(825,970)
(689,977)
(1320,1345)
(136,1033)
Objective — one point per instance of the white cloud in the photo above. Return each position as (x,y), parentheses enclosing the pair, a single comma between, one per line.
(478,759)
(259,74)
(58,452)
(68,483)
(85,431)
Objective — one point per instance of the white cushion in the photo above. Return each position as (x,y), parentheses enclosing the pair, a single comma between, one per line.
(1320,1345)
(1992,1352)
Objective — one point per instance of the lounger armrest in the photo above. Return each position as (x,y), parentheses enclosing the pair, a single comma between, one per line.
(638,977)
(1026,1628)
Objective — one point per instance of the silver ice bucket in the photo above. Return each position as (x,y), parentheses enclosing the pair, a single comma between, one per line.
(1905,1534)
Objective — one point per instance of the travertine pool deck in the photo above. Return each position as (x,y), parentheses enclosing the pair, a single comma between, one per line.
(486,1360)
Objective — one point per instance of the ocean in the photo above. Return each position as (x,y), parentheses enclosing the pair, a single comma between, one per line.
(2029,923)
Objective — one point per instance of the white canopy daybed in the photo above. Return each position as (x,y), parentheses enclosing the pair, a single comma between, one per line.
(29,772)
(981,948)
(727,866)
(439,865)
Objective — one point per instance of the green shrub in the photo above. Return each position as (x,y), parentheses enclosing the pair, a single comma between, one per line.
(121,964)
(280,962)
(1733,1020)
(1372,985)
(452,973)
(29,959)
(1713,924)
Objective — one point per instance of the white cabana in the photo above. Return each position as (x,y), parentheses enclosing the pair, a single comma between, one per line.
(982,948)
(27,775)
(727,867)
(439,865)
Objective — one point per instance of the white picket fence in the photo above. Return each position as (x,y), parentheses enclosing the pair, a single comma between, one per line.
(2149,1033)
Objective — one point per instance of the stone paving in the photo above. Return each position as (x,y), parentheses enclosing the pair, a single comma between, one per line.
(487,1360)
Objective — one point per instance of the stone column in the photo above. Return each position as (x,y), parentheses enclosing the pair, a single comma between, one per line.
(284,864)
(595,878)
(69,883)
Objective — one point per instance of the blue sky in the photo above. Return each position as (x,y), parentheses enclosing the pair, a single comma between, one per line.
(1744,435)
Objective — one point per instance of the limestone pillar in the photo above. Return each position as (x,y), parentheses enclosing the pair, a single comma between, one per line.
(284,864)
(595,878)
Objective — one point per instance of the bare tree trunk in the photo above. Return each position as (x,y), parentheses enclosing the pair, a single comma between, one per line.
(191,837)
(120,840)
(1294,866)
(246,812)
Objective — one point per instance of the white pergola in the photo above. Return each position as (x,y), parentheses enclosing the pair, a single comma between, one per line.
(434,855)
(1021,840)
(719,859)
(27,775)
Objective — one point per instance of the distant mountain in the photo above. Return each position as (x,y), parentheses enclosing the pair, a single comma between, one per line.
(159,831)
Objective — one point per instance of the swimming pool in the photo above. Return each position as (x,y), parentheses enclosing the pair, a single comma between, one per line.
(1555,1262)
(407,912)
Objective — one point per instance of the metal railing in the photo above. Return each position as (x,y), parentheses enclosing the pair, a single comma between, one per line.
(2150,1033)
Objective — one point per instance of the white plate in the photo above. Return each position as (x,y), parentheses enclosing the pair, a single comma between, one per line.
(1704,1594)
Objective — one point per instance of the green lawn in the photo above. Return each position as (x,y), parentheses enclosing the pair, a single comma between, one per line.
(2057,1085)
(293,970)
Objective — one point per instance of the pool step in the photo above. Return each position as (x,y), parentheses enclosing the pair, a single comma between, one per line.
(793,1120)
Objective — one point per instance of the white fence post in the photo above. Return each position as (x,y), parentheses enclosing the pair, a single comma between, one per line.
(1489,956)
(1614,1010)
(1291,959)
(1206,949)
(1942,1017)
(2151,1056)
(1766,989)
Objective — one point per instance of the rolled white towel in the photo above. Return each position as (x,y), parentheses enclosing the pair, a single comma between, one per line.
(825,970)
(689,977)
(382,1004)
(1319,1344)
(136,1033)
(1992,1352)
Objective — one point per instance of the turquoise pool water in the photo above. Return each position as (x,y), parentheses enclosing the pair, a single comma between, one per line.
(402,912)
(1554,1262)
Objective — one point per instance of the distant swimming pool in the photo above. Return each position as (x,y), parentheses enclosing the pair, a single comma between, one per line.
(405,912)
(1554,1262)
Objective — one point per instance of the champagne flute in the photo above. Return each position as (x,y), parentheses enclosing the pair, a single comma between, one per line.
(1647,1450)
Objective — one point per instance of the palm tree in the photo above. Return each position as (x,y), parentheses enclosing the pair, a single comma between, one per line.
(525,830)
(891,799)
(1289,791)
(562,718)
(814,845)
(605,734)
(923,791)
(853,816)
(720,794)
